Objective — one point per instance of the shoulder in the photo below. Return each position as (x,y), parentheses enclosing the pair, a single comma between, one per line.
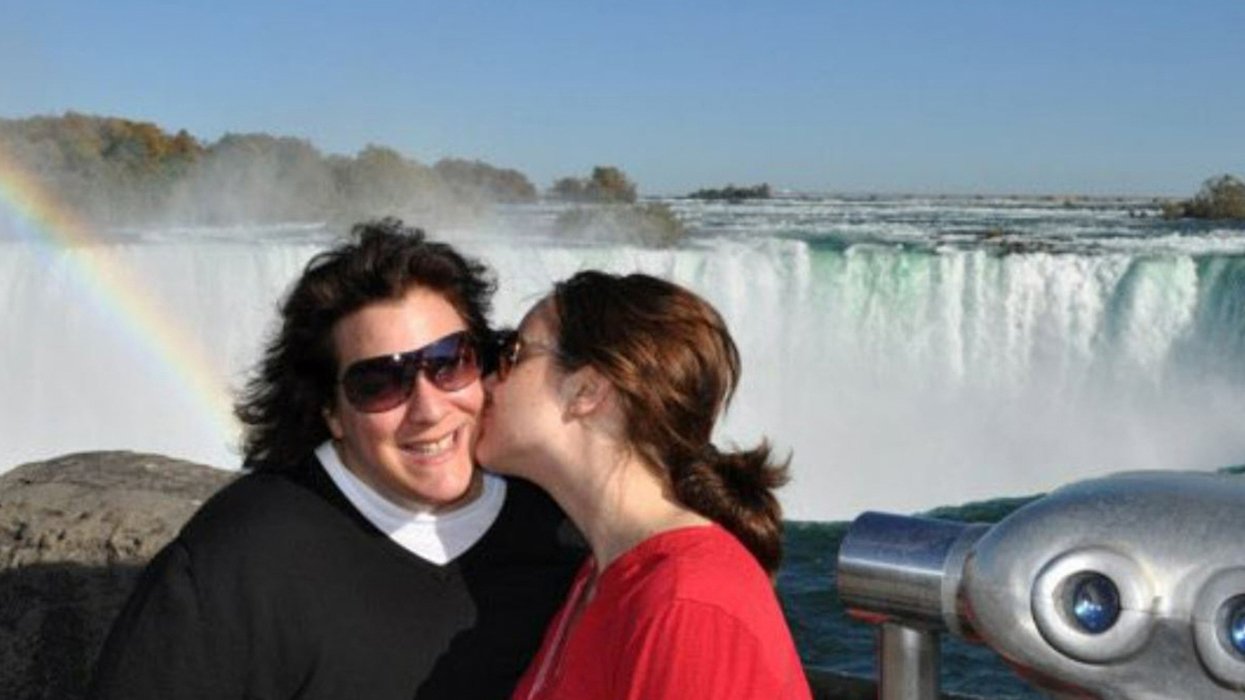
(262,510)
(704,563)
(700,597)
(701,572)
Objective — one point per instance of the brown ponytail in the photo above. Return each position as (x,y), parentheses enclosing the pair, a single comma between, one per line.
(735,490)
(670,357)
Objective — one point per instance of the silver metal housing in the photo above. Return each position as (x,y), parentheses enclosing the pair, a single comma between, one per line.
(1166,544)
(1171,544)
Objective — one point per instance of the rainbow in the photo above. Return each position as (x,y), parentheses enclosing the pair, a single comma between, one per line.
(37,215)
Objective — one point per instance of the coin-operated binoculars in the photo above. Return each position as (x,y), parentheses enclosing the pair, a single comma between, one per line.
(1131,586)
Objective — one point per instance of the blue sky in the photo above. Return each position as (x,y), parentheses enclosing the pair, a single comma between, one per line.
(971,96)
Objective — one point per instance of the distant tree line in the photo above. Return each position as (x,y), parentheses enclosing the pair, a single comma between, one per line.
(731,193)
(1221,197)
(117,171)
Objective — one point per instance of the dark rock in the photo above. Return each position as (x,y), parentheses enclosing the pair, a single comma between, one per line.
(75,531)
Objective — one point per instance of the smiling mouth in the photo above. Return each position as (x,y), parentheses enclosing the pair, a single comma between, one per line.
(432,448)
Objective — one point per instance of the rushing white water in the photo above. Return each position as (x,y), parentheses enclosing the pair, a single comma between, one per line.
(898,376)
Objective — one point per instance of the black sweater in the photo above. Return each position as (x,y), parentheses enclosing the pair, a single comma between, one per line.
(279,588)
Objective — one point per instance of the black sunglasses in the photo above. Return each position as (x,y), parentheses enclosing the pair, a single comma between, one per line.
(507,352)
(381,383)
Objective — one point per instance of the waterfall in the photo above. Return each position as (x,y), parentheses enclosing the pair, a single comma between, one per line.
(898,378)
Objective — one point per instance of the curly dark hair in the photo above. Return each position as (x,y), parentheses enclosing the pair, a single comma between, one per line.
(281,407)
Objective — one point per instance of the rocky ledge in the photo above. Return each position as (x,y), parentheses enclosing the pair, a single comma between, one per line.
(75,531)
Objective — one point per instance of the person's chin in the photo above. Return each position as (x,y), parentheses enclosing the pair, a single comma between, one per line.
(459,490)
(489,458)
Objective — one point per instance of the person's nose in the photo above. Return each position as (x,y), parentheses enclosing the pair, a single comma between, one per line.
(428,404)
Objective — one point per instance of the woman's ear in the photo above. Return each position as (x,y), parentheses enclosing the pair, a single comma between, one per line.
(586,391)
(332,421)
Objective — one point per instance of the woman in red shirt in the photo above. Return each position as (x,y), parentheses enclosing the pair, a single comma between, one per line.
(606,396)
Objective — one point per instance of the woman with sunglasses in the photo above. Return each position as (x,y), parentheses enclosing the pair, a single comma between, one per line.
(606,396)
(364,555)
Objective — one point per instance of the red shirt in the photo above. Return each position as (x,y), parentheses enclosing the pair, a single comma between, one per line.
(687,613)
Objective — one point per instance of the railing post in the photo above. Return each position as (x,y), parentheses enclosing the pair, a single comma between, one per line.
(908,663)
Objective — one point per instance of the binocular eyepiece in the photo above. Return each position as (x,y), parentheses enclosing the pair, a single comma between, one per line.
(1131,586)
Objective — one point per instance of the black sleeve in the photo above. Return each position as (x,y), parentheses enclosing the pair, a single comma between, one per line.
(160,646)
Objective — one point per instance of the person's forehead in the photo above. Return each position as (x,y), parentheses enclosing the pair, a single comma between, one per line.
(387,326)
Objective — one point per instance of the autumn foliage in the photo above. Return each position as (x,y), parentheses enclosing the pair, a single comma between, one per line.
(120,171)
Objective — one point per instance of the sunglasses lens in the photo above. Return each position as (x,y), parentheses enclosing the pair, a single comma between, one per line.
(378,384)
(382,383)
(454,370)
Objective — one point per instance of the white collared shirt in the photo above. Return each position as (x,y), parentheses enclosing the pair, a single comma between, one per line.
(436,537)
